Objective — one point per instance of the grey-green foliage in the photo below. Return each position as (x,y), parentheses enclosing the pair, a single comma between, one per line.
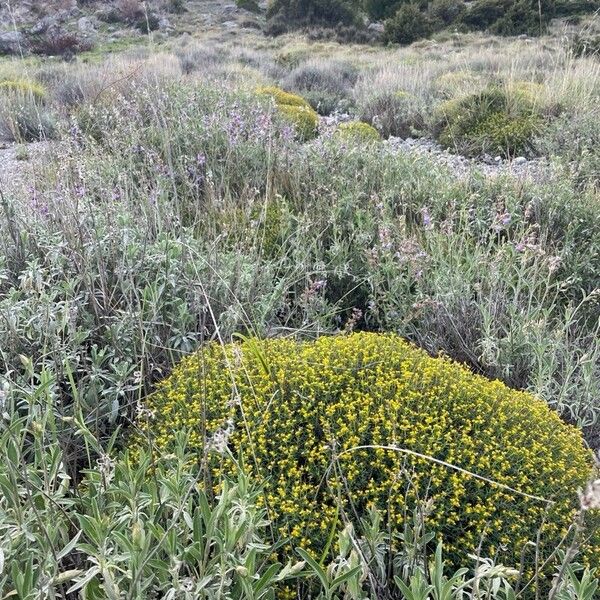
(368,566)
(143,528)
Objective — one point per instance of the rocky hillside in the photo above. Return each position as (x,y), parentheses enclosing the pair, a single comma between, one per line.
(62,27)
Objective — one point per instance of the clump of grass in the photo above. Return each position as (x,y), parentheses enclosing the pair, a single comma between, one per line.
(397,114)
(327,85)
(24,116)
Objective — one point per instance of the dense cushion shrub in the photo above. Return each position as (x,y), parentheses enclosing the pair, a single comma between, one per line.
(297,409)
(294,109)
(494,120)
(358,132)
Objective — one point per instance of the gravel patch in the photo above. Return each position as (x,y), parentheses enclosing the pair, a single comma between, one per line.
(537,169)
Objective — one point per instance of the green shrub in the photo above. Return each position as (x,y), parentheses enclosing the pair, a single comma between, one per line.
(382,9)
(507,17)
(484,13)
(408,25)
(502,121)
(283,98)
(294,109)
(357,131)
(303,413)
(445,12)
(286,15)
(304,120)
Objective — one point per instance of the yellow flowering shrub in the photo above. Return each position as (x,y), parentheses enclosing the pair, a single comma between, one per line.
(294,109)
(301,411)
(281,97)
(357,131)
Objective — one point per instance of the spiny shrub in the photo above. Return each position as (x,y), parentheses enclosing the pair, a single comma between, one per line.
(494,120)
(356,131)
(304,120)
(295,110)
(303,412)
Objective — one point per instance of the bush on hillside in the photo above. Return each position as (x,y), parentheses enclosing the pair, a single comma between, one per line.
(483,13)
(445,12)
(302,413)
(286,15)
(60,43)
(495,121)
(382,9)
(524,17)
(507,17)
(408,25)
(249,5)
